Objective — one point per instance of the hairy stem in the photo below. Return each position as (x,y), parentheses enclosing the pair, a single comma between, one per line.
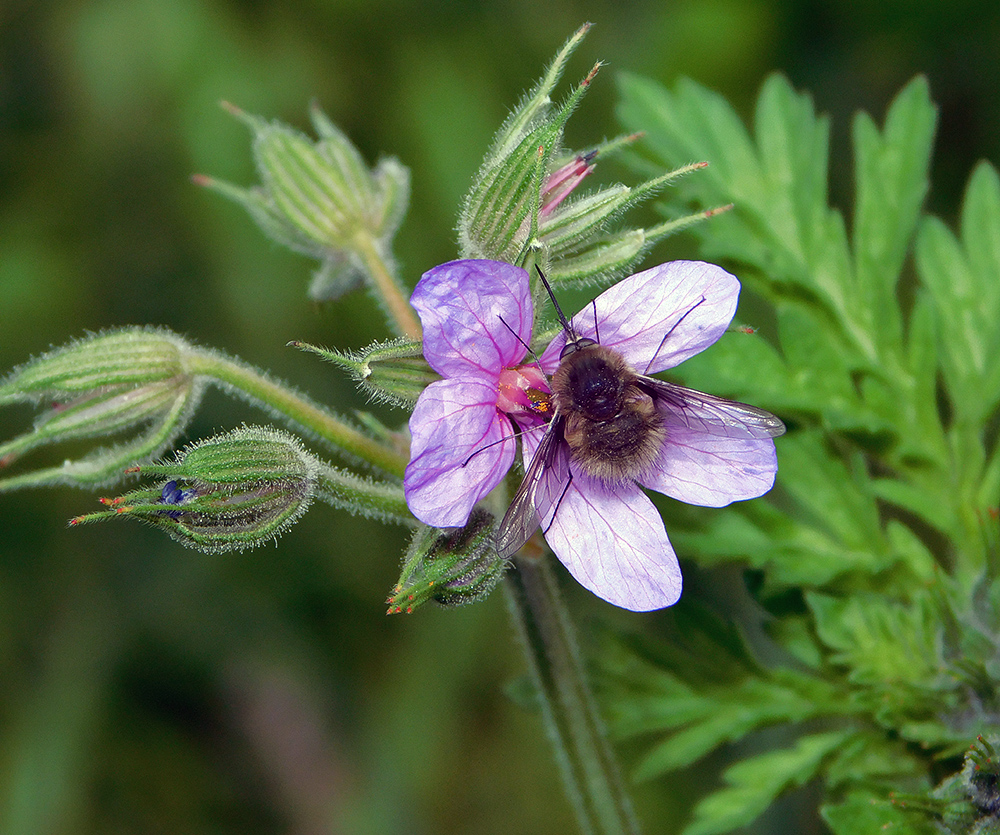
(590,772)
(388,289)
(309,415)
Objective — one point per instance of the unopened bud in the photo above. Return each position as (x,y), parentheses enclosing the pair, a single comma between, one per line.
(231,492)
(518,209)
(452,569)
(321,199)
(98,387)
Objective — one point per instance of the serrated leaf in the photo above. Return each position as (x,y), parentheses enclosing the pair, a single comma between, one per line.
(863,813)
(729,714)
(754,783)
(837,495)
(781,224)
(961,277)
(881,642)
(891,182)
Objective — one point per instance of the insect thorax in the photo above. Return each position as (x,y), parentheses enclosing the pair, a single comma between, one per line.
(612,426)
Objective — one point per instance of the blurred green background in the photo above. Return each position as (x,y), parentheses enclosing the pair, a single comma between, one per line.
(145,688)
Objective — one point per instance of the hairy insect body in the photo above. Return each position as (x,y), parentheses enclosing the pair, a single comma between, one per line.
(612,422)
(612,426)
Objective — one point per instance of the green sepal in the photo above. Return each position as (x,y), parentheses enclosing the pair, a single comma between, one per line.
(102,386)
(228,493)
(130,357)
(392,372)
(321,199)
(452,568)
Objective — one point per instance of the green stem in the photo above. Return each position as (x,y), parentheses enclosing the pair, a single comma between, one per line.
(296,407)
(589,769)
(358,494)
(388,288)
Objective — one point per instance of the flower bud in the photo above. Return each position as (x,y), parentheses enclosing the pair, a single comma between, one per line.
(391,372)
(228,493)
(453,568)
(518,207)
(102,386)
(321,199)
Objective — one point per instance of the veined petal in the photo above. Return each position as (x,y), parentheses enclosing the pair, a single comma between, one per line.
(460,450)
(710,470)
(689,302)
(461,304)
(612,540)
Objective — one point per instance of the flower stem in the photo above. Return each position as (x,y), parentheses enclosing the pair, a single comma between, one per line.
(590,772)
(296,407)
(388,288)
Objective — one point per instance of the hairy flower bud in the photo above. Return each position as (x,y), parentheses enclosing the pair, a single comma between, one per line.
(452,569)
(321,199)
(227,493)
(102,386)
(519,208)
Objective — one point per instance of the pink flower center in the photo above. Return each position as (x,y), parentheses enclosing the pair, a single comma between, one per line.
(523,392)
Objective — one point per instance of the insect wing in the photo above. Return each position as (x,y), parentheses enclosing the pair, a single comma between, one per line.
(520,520)
(713,415)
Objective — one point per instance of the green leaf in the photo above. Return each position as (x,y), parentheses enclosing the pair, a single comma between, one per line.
(707,720)
(754,783)
(891,182)
(961,276)
(881,642)
(863,813)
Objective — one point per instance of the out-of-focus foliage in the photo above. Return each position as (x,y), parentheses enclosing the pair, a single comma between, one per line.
(877,559)
(145,688)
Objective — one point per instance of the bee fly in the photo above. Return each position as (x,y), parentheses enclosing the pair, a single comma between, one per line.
(612,420)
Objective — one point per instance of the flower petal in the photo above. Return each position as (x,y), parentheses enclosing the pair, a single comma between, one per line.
(689,302)
(460,450)
(611,539)
(461,304)
(711,470)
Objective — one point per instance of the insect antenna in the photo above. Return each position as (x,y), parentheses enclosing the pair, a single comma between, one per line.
(524,344)
(562,318)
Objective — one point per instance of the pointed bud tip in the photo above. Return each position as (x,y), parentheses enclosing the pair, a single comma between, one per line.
(202,180)
(590,76)
(718,210)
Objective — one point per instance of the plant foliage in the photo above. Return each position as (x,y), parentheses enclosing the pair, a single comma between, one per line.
(874,562)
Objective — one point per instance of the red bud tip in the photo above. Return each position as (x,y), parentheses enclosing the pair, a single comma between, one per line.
(133,469)
(718,210)
(591,74)
(201,179)
(229,107)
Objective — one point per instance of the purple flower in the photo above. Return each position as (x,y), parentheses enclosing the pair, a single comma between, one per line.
(477,316)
